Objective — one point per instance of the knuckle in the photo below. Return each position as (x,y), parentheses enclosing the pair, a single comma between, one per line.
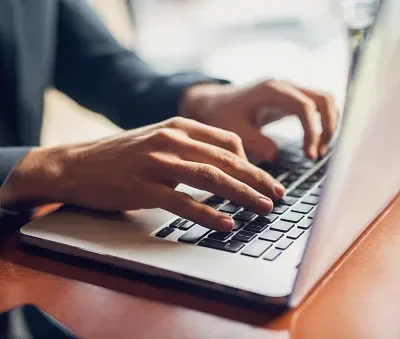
(158,161)
(308,105)
(208,174)
(270,83)
(227,159)
(165,135)
(234,140)
(262,178)
(155,157)
(177,122)
(246,193)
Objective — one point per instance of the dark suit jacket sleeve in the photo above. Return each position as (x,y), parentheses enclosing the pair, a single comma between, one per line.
(96,71)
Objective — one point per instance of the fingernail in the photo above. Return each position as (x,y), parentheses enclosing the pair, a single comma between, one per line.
(226,224)
(279,190)
(265,205)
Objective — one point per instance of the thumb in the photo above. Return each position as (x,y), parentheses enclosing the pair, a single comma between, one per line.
(262,147)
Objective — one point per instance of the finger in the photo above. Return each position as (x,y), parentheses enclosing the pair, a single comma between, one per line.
(258,144)
(235,167)
(186,207)
(212,179)
(286,96)
(209,134)
(329,117)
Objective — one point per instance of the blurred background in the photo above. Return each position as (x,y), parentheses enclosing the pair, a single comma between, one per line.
(308,42)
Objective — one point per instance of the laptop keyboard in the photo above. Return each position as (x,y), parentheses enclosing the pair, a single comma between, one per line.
(264,236)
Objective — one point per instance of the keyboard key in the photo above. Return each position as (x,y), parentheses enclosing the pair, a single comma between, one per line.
(280,209)
(305,224)
(282,226)
(311,200)
(317,192)
(300,171)
(244,215)
(238,224)
(272,254)
(271,235)
(166,231)
(255,227)
(230,208)
(292,217)
(298,193)
(295,234)
(273,168)
(244,236)
(220,235)
(293,177)
(212,204)
(187,225)
(302,208)
(216,199)
(295,159)
(314,178)
(307,164)
(256,248)
(312,214)
(277,172)
(306,185)
(229,246)
(289,201)
(178,222)
(286,183)
(284,244)
(269,219)
(194,234)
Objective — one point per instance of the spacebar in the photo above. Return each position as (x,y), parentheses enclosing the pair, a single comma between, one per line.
(229,246)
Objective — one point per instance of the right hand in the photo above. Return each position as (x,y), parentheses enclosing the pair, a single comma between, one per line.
(141,169)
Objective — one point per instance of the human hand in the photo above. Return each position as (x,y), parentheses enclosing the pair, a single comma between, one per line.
(245,110)
(141,169)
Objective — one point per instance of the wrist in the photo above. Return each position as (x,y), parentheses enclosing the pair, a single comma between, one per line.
(199,99)
(39,178)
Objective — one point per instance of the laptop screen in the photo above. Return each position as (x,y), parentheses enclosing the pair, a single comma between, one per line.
(363,176)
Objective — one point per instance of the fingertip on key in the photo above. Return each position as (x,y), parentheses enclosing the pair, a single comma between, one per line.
(312,152)
(226,224)
(265,205)
(279,190)
(323,150)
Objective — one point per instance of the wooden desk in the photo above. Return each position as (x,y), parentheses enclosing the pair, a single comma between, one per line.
(360,298)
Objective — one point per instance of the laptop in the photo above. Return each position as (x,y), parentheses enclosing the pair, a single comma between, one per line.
(278,258)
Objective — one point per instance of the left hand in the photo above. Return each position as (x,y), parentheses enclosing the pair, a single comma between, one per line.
(245,110)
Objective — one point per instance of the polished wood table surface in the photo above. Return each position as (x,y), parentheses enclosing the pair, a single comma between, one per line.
(359,297)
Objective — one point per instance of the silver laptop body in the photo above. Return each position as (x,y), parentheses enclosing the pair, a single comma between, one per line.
(363,176)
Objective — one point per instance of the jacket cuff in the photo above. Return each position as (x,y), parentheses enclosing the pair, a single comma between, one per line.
(176,86)
(10,157)
(162,96)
